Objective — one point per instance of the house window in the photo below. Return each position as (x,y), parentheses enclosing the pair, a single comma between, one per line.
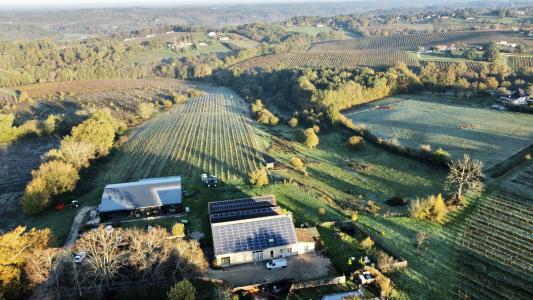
(306,247)
(225,261)
(281,251)
(289,250)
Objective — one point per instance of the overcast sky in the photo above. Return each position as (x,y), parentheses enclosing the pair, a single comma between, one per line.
(108,3)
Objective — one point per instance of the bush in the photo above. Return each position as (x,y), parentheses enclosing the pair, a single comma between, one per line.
(183,290)
(316,128)
(293,122)
(297,163)
(432,208)
(258,177)
(366,244)
(321,211)
(178,229)
(309,138)
(355,142)
(354,216)
(145,110)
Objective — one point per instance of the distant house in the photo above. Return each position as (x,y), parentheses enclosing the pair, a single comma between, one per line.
(143,197)
(224,38)
(506,44)
(211,34)
(254,229)
(320,25)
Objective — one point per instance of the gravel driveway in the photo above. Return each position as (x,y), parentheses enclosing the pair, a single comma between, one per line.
(299,268)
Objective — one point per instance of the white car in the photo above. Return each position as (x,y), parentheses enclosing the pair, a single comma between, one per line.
(78,258)
(276,263)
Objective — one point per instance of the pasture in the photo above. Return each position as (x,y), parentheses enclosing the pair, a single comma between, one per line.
(488,135)
(207,134)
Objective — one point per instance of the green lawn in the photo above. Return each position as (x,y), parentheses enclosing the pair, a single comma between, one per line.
(488,135)
(310,30)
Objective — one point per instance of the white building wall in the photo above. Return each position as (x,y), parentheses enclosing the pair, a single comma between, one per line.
(269,253)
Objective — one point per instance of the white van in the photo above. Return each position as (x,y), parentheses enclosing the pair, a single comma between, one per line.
(276,263)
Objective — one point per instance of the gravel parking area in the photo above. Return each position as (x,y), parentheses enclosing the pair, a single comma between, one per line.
(299,268)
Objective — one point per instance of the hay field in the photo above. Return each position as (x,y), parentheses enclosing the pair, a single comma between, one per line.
(488,135)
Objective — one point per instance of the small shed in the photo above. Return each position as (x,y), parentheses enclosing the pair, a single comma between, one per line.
(270,162)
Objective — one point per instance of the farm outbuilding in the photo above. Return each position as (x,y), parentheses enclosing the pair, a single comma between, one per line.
(253,229)
(141,198)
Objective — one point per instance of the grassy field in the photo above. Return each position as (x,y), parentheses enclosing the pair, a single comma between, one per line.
(310,30)
(490,136)
(146,56)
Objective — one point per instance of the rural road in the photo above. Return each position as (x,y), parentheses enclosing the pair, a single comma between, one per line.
(73,233)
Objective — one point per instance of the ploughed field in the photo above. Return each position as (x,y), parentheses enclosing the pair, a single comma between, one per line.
(208,134)
(484,134)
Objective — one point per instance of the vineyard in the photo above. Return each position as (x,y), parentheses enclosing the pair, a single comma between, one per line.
(519,62)
(496,262)
(41,90)
(411,42)
(209,134)
(487,135)
(333,59)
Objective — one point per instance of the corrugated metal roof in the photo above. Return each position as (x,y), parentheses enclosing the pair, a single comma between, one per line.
(151,192)
(253,234)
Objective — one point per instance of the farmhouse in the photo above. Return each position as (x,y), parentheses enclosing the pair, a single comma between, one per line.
(255,229)
(144,197)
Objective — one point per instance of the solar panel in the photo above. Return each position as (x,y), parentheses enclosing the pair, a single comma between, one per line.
(244,214)
(253,234)
(241,204)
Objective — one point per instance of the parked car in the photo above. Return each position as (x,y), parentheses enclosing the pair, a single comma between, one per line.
(276,263)
(78,258)
(366,278)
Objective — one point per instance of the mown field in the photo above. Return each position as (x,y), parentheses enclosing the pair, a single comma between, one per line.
(490,136)
(208,134)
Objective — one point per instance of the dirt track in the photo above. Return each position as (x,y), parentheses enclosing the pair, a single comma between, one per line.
(73,233)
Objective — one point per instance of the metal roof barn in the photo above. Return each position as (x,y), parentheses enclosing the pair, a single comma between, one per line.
(145,193)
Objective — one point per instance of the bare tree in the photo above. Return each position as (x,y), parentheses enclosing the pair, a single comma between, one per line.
(104,256)
(465,175)
(149,252)
(190,259)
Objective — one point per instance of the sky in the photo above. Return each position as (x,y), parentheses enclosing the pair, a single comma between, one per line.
(111,3)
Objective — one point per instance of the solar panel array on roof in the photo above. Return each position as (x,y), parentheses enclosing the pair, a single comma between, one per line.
(244,214)
(241,204)
(253,234)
